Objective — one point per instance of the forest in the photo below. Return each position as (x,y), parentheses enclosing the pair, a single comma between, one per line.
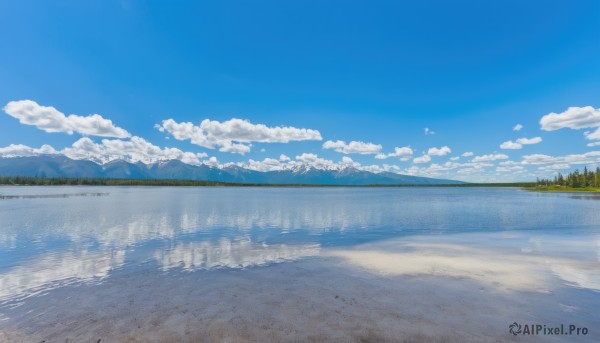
(581,180)
(59,181)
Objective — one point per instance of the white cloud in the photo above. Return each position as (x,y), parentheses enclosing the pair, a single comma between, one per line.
(268,164)
(49,119)
(520,142)
(554,167)
(308,160)
(593,144)
(404,153)
(428,131)
(508,163)
(592,157)
(283,158)
(490,157)
(503,169)
(212,162)
(510,145)
(527,141)
(422,159)
(593,135)
(312,160)
(135,150)
(455,158)
(20,150)
(348,162)
(467,154)
(353,147)
(234,135)
(573,118)
(517,127)
(439,152)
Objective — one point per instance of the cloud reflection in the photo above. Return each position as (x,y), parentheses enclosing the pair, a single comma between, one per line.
(55,270)
(483,260)
(230,254)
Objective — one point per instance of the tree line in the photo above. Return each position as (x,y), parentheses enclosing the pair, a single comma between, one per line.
(585,179)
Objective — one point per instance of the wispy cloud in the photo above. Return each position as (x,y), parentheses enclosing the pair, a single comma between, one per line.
(353,147)
(490,157)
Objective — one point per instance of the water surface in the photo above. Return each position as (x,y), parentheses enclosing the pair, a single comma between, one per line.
(61,243)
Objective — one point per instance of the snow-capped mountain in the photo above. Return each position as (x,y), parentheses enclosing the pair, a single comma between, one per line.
(62,166)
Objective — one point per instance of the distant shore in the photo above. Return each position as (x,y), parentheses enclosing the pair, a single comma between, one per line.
(35,181)
(554,188)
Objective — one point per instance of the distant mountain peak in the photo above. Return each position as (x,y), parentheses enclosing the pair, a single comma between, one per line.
(62,166)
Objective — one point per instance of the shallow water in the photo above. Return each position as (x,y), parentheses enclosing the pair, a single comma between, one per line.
(276,264)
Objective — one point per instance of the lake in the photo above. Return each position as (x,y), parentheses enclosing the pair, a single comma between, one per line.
(422,264)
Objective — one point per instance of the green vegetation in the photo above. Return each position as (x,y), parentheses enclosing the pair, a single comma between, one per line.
(58,181)
(40,181)
(586,181)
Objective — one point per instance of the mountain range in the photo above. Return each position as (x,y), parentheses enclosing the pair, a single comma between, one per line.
(62,166)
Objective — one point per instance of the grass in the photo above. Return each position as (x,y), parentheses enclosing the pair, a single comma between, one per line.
(557,188)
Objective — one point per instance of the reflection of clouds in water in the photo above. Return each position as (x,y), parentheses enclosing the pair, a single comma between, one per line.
(492,264)
(128,226)
(227,254)
(581,276)
(8,240)
(161,224)
(54,270)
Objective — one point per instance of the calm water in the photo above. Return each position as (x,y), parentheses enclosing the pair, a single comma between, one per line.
(70,236)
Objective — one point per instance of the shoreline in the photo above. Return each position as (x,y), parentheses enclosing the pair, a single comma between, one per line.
(35,181)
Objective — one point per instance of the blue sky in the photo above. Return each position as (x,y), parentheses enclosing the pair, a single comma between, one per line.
(373,73)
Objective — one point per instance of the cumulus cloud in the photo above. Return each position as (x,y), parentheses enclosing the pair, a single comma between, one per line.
(234,135)
(308,160)
(404,153)
(49,119)
(439,152)
(574,118)
(592,135)
(517,127)
(428,131)
(527,141)
(353,147)
(592,157)
(212,162)
(467,154)
(455,158)
(504,169)
(520,142)
(20,150)
(422,159)
(283,158)
(593,144)
(135,150)
(510,145)
(490,157)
